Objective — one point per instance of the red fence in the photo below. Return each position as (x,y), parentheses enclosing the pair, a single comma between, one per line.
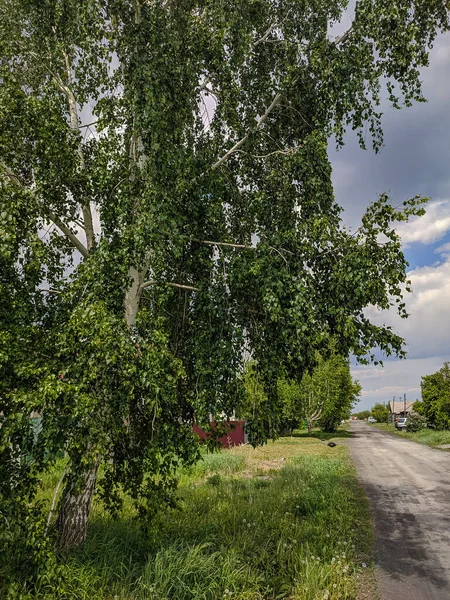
(235,435)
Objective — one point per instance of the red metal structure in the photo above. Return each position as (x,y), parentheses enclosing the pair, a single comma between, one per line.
(235,435)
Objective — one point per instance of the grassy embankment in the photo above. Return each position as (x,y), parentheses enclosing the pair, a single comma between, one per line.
(429,437)
(287,520)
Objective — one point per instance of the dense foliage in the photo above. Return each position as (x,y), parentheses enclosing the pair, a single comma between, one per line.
(415,422)
(435,405)
(323,397)
(363,415)
(380,412)
(146,240)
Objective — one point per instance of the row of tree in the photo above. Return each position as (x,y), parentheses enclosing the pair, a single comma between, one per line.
(435,403)
(322,397)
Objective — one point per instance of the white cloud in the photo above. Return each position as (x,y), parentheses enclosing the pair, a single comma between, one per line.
(427,335)
(399,377)
(427,229)
(444,250)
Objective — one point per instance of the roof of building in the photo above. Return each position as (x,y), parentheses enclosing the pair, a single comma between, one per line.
(398,407)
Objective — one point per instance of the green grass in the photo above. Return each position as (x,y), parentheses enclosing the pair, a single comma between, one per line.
(288,520)
(429,437)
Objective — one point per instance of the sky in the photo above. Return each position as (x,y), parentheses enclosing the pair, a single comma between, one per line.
(414,160)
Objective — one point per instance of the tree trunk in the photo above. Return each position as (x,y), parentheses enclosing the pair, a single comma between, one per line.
(74,513)
(309,423)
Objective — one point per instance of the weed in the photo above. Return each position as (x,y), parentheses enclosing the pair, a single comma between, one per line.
(284,521)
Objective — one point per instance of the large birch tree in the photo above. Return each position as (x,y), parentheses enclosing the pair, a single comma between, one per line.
(166,202)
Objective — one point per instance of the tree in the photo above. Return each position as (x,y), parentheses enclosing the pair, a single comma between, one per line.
(342,396)
(323,397)
(435,405)
(363,415)
(380,412)
(141,253)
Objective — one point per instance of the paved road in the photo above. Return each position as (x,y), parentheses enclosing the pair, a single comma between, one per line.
(408,486)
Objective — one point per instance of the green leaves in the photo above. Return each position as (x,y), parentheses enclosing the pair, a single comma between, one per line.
(173,159)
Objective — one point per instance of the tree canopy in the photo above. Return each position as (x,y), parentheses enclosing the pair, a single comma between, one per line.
(323,397)
(166,206)
(435,405)
(380,412)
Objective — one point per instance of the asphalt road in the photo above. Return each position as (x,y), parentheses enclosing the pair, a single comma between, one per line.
(408,486)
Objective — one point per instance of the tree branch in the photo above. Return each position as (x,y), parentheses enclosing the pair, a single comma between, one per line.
(266,34)
(55,495)
(51,215)
(343,37)
(242,141)
(228,244)
(74,124)
(190,288)
(68,233)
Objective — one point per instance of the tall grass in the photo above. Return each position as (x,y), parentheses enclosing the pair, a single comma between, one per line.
(429,437)
(285,521)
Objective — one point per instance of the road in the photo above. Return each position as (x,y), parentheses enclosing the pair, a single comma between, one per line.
(408,486)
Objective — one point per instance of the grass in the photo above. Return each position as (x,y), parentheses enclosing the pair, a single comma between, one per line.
(429,437)
(287,520)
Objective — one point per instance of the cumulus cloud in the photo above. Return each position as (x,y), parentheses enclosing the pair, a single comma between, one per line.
(430,228)
(427,330)
(444,250)
(398,377)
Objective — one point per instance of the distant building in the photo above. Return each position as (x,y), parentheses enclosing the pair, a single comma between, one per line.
(400,409)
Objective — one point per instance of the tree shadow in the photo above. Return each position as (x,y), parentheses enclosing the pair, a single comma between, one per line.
(323,435)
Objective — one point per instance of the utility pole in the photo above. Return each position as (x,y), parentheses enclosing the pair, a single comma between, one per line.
(404,405)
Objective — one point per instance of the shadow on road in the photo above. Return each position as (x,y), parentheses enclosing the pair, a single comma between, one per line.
(401,547)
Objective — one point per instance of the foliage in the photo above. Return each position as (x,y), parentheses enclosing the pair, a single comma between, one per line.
(363,415)
(141,254)
(429,437)
(380,412)
(259,533)
(435,406)
(324,396)
(415,422)
(418,407)
(343,394)
(254,406)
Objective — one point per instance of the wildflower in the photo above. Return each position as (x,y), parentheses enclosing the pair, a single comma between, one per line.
(294,541)
(326,594)
(333,560)
(284,545)
(363,565)
(244,520)
(334,585)
(249,524)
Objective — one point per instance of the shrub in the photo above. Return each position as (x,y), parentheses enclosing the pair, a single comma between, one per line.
(415,422)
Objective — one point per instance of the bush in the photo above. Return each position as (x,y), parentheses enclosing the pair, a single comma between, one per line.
(415,422)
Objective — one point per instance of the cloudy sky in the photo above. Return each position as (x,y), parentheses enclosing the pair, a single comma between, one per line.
(414,160)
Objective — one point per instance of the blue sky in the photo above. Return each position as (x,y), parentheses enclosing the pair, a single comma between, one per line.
(414,160)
